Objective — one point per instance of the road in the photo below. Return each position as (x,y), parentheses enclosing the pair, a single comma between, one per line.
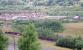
(43,46)
(11,47)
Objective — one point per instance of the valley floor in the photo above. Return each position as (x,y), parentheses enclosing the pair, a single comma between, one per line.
(45,45)
(75,29)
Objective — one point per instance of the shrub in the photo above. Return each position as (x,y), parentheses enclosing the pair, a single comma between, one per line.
(29,39)
(66,42)
(48,28)
(3,41)
(70,42)
(79,44)
(46,34)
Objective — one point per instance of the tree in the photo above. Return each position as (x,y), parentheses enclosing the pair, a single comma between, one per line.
(79,44)
(29,39)
(3,41)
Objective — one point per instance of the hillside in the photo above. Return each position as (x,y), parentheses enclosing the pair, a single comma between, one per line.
(40,2)
(51,7)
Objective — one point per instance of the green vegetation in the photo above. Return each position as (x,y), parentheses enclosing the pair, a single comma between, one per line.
(29,39)
(50,7)
(3,41)
(19,26)
(48,28)
(45,28)
(79,44)
(70,42)
(66,42)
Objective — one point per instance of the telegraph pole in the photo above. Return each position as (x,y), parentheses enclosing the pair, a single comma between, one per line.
(14,42)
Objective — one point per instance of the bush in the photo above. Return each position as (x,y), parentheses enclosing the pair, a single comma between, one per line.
(53,25)
(66,42)
(48,28)
(79,44)
(46,34)
(70,42)
(3,41)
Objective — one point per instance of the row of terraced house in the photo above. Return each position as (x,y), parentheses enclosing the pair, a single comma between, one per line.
(26,15)
(23,15)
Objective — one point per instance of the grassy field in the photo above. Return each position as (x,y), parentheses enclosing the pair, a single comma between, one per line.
(49,44)
(73,29)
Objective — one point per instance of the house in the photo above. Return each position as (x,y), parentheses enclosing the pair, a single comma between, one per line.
(76,17)
(20,18)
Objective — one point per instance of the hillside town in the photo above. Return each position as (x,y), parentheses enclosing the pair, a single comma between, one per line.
(41,24)
(27,15)
(21,15)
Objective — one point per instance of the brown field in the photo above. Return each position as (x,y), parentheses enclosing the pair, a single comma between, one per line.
(73,29)
(49,44)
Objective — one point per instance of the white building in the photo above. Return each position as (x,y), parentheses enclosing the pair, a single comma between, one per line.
(76,17)
(20,18)
(54,17)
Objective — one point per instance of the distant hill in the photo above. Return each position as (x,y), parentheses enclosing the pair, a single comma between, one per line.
(11,2)
(51,7)
(40,2)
